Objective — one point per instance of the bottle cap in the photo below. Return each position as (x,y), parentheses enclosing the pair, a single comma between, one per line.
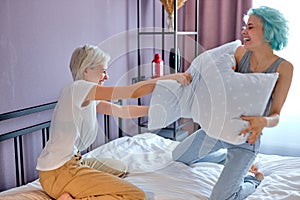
(157,57)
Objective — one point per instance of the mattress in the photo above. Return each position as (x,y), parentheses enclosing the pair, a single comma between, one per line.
(150,167)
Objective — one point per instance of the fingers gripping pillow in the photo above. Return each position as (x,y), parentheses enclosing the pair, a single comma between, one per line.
(220,96)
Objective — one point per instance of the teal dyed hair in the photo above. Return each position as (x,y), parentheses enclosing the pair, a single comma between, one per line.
(275,26)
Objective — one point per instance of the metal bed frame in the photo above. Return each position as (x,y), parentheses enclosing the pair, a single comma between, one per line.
(41,128)
(18,134)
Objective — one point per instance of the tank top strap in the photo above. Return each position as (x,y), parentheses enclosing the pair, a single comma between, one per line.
(273,68)
(244,65)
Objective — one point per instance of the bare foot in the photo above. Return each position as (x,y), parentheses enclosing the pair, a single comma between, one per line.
(258,175)
(65,196)
(253,169)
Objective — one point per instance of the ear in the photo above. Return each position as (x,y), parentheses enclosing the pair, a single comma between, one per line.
(85,71)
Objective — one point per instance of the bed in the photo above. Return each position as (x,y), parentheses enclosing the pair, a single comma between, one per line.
(150,167)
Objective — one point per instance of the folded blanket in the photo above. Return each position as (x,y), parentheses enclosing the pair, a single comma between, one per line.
(216,98)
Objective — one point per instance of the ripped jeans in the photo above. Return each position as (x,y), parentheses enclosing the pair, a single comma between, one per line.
(233,184)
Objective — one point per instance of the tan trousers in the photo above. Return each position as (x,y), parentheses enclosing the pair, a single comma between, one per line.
(86,183)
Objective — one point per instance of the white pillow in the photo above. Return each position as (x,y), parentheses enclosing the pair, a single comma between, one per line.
(216,98)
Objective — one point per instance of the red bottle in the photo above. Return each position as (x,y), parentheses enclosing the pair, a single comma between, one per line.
(157,66)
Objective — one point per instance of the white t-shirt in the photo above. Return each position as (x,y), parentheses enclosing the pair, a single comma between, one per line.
(73,127)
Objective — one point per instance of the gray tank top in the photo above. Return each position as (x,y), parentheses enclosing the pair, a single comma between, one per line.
(244,67)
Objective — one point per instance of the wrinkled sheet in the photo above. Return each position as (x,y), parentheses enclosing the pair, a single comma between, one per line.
(151,168)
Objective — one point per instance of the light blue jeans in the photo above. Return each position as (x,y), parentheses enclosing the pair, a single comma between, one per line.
(233,184)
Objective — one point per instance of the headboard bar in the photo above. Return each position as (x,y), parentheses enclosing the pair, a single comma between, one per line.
(106,128)
(27,111)
(16,135)
(45,135)
(19,161)
(18,146)
(24,131)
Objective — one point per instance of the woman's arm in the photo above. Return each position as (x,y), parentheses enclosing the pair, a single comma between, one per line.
(136,90)
(282,87)
(279,96)
(126,111)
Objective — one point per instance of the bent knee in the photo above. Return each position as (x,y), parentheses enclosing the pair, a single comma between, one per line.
(138,194)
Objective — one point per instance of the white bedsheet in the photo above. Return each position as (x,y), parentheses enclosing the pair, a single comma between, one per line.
(151,168)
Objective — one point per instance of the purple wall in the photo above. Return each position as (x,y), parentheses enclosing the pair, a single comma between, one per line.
(37,38)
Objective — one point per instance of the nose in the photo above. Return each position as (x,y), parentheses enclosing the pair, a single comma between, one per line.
(244,31)
(106,77)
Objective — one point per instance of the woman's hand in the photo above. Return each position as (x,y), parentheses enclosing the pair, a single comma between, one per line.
(256,126)
(182,78)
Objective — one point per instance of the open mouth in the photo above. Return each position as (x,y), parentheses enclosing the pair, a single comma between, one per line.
(246,39)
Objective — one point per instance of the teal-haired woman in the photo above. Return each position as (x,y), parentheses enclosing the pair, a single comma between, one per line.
(266,30)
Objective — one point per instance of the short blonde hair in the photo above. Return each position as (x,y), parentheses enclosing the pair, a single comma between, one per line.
(88,56)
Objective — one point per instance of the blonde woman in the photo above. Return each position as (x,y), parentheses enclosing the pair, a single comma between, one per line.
(74,127)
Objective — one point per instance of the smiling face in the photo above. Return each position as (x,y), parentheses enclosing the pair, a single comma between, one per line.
(96,74)
(253,33)
(89,63)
